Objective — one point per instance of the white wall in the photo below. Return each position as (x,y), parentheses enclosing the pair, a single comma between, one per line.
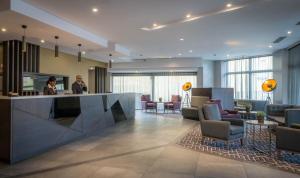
(280,66)
(219,77)
(158,65)
(208,74)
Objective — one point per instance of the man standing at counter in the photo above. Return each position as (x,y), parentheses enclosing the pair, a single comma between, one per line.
(78,86)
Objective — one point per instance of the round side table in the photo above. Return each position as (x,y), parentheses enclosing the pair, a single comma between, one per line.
(253,124)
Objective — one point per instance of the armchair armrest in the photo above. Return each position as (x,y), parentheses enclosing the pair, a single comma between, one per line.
(288,138)
(292,116)
(231,111)
(216,129)
(238,122)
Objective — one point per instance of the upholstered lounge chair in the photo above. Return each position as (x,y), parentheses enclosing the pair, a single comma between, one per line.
(147,103)
(225,113)
(215,127)
(174,104)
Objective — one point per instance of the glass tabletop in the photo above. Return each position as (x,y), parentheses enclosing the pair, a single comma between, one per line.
(266,123)
(244,112)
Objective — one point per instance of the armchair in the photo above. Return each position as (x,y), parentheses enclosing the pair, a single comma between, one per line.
(225,113)
(174,104)
(287,138)
(147,103)
(213,126)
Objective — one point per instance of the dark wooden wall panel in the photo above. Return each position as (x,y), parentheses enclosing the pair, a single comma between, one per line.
(15,62)
(100,79)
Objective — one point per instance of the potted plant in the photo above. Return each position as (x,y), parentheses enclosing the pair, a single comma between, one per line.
(160,99)
(248,108)
(260,116)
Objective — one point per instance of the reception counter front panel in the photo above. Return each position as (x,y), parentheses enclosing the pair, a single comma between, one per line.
(32,125)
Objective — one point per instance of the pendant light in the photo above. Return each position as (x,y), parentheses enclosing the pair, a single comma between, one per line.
(56,48)
(110,61)
(79,52)
(24,39)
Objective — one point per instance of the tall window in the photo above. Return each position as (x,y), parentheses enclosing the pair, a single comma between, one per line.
(247,75)
(166,86)
(157,85)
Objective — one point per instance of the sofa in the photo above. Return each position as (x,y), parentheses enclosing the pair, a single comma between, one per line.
(192,112)
(255,105)
(287,138)
(284,114)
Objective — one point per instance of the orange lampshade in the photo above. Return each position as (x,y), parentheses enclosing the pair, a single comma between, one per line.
(269,85)
(187,86)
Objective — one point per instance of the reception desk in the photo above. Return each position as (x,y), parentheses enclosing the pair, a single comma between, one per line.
(35,124)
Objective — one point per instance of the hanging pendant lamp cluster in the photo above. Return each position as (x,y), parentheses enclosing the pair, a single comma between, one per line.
(79,53)
(56,47)
(24,39)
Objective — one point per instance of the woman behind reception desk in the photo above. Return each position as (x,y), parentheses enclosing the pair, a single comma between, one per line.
(50,89)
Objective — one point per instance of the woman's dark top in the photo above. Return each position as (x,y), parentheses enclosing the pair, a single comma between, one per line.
(48,90)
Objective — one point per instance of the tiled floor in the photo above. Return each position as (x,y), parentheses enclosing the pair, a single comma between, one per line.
(143,148)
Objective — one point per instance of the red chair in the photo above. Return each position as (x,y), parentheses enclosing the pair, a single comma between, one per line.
(147,103)
(225,113)
(174,104)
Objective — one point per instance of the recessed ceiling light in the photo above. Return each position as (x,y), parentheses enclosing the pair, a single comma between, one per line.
(3,29)
(179,54)
(190,51)
(270,46)
(228,5)
(83,52)
(188,16)
(154,25)
(95,9)
(42,41)
(289,32)
(181,39)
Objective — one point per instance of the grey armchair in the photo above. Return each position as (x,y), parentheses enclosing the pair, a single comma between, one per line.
(213,126)
(287,138)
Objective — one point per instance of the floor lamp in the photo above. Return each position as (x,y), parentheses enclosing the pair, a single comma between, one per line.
(269,86)
(186,101)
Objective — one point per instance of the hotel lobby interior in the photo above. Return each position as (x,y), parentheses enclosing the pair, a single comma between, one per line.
(150,88)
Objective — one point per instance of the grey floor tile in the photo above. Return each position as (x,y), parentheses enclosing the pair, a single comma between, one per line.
(144,147)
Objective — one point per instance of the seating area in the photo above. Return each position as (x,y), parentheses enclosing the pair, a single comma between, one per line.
(173,105)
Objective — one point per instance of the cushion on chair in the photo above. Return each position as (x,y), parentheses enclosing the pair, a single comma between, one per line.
(211,112)
(198,101)
(150,104)
(236,129)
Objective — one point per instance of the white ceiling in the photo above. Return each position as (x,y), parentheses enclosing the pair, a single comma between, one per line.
(244,32)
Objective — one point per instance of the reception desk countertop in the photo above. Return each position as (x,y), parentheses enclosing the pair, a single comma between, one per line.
(30,125)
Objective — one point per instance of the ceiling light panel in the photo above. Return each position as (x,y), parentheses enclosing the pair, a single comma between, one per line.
(188,18)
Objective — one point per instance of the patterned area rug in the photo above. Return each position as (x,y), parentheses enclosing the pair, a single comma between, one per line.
(287,162)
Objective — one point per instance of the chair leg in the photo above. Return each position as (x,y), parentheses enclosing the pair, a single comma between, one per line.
(242,142)
(202,140)
(227,144)
(278,154)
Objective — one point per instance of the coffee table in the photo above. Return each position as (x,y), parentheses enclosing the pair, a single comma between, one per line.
(248,115)
(253,124)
